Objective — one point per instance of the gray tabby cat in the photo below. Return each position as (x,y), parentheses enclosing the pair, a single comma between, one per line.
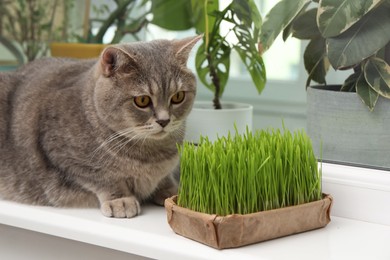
(96,132)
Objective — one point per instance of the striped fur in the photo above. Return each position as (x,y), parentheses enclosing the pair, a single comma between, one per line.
(71,134)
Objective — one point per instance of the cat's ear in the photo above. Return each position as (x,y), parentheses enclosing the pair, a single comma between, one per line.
(113,58)
(183,47)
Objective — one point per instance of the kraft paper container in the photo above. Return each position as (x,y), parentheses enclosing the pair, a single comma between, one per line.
(239,230)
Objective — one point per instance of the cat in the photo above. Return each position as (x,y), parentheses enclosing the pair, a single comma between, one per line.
(96,133)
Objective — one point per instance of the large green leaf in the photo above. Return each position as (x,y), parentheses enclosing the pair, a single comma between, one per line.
(377,74)
(255,15)
(336,16)
(279,17)
(350,83)
(316,62)
(288,30)
(172,14)
(255,67)
(366,93)
(305,26)
(14,50)
(247,13)
(246,48)
(214,63)
(199,11)
(247,20)
(362,39)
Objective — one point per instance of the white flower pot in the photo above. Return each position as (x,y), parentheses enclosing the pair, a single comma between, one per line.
(206,121)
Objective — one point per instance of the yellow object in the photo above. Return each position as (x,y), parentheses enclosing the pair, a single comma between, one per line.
(76,50)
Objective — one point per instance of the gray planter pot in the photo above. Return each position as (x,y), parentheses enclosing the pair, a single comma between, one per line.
(346,131)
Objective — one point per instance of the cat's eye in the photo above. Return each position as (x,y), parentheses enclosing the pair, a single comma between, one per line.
(142,101)
(178,97)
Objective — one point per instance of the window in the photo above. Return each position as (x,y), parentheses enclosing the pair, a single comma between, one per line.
(284,97)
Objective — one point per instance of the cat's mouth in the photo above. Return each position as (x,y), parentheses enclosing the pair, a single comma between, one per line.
(160,134)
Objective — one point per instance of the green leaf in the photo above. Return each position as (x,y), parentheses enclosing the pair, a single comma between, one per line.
(246,30)
(336,16)
(316,62)
(215,59)
(368,95)
(350,83)
(277,19)
(13,48)
(255,66)
(362,39)
(288,30)
(199,11)
(255,15)
(377,74)
(305,26)
(247,12)
(172,14)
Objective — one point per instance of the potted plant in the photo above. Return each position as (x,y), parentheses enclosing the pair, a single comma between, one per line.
(244,189)
(214,56)
(344,35)
(127,17)
(121,15)
(26,27)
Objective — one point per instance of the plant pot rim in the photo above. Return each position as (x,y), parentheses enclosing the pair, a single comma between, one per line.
(8,62)
(324,196)
(77,50)
(238,230)
(333,87)
(226,106)
(78,44)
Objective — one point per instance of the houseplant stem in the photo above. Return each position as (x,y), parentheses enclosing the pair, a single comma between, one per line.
(216,82)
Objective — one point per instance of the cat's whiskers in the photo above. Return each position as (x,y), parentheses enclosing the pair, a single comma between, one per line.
(118,134)
(176,126)
(113,145)
(111,139)
(177,134)
(144,135)
(117,149)
(128,135)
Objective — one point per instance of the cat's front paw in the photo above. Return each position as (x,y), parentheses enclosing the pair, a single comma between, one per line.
(126,207)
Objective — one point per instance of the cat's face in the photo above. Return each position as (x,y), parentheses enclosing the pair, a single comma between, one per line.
(144,90)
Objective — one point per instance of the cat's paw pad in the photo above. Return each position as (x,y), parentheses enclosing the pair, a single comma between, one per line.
(126,207)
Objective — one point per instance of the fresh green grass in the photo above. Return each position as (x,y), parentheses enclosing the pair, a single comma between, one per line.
(242,174)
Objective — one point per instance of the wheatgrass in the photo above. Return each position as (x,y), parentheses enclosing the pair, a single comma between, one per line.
(242,174)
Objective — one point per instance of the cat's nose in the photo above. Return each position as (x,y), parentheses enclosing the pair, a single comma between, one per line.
(163,122)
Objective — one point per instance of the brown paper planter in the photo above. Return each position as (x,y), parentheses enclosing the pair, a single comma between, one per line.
(239,230)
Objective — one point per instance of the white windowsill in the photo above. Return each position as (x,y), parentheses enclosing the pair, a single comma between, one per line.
(359,193)
(350,235)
